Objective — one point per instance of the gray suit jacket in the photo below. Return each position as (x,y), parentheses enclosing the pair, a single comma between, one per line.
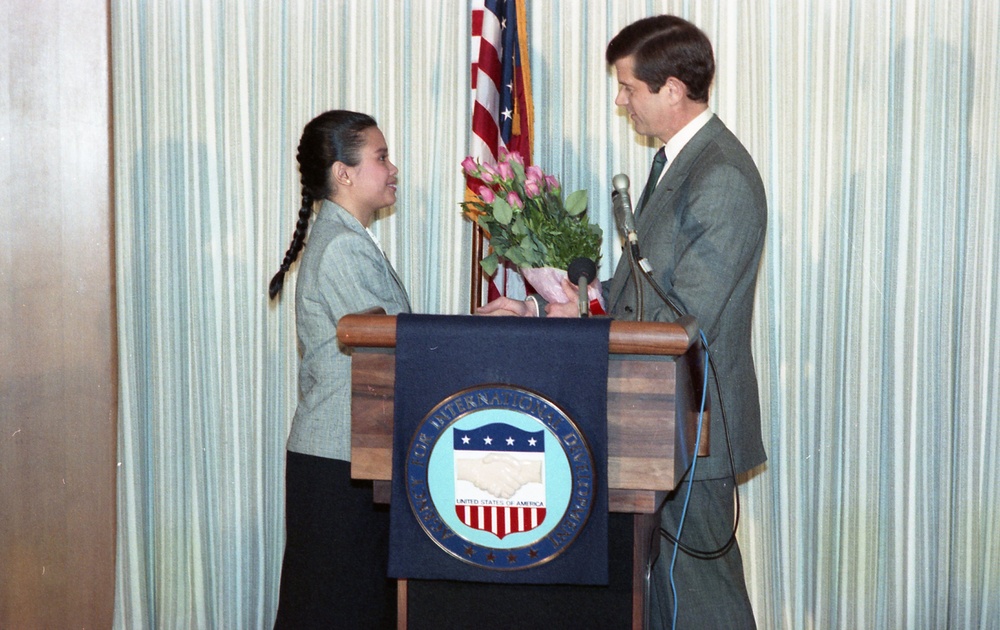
(342,271)
(703,231)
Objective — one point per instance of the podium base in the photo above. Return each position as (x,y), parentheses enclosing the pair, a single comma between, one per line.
(437,605)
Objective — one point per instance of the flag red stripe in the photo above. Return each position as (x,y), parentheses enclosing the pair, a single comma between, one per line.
(489,61)
(485,126)
(477,23)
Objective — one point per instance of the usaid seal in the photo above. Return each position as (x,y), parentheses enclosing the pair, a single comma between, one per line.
(499,477)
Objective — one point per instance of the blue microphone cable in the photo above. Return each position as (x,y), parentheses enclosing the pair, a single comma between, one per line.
(687,498)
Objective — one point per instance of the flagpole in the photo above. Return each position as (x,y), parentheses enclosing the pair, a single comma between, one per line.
(476,270)
(503,115)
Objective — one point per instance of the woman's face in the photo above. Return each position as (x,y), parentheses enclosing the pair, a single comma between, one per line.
(373,180)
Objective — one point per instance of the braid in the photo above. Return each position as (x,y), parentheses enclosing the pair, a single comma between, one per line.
(298,240)
(330,137)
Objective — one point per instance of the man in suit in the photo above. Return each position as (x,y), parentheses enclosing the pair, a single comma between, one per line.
(701,226)
(700,223)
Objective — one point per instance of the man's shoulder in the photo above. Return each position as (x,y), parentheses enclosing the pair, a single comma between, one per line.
(716,134)
(716,144)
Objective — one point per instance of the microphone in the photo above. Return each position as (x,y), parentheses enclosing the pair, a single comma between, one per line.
(622,203)
(626,220)
(582,272)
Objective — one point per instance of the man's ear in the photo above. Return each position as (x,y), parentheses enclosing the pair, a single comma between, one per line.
(676,89)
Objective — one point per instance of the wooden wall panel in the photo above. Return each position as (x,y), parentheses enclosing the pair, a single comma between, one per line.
(58,365)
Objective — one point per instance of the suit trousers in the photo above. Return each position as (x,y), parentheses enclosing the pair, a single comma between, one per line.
(711,594)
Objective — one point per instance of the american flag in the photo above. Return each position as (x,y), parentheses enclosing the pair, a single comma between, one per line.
(502,114)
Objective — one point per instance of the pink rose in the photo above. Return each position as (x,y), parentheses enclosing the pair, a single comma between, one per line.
(514,200)
(470,167)
(506,171)
(535,174)
(532,189)
(552,183)
(488,173)
(486,194)
(516,157)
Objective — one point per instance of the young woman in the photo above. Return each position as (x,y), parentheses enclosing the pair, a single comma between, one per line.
(334,569)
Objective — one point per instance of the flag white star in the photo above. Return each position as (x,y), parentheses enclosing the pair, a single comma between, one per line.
(507,113)
(532,441)
(510,441)
(465,439)
(488,440)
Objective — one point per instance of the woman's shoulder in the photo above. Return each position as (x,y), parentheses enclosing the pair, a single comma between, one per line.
(335,226)
(333,218)
(336,247)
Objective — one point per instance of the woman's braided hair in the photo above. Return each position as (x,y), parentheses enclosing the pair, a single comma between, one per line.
(334,136)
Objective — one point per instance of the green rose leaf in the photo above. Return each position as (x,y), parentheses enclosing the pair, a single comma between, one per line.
(516,256)
(519,227)
(490,264)
(518,171)
(576,203)
(531,251)
(502,211)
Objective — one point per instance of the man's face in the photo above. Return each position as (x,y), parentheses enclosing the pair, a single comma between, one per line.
(650,113)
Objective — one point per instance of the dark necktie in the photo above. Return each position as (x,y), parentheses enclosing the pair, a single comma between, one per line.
(659,160)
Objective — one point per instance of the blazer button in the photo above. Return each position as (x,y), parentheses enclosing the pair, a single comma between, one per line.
(628,309)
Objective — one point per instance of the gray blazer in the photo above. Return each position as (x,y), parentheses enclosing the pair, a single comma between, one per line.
(703,231)
(342,271)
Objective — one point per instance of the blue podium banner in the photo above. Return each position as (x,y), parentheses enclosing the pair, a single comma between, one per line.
(500,450)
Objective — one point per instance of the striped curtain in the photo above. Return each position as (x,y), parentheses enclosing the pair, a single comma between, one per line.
(874,125)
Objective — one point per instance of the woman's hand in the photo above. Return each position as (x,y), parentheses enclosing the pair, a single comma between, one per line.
(509,307)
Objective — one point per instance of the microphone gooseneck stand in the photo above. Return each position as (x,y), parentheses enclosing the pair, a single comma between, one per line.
(581,272)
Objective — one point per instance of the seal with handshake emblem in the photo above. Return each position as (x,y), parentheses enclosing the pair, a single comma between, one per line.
(500,477)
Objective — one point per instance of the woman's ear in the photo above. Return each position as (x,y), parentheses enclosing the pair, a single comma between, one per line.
(340,174)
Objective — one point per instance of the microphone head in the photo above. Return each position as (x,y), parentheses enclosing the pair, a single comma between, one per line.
(620,182)
(582,269)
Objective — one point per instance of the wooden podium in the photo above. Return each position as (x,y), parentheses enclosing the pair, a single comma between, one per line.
(655,376)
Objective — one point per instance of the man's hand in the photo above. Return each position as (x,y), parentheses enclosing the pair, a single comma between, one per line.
(570,308)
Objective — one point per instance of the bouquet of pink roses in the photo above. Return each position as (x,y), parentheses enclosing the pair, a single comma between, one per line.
(521,210)
(523,214)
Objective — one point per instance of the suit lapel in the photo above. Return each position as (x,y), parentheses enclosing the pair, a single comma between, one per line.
(618,283)
(347,219)
(399,283)
(679,169)
(661,200)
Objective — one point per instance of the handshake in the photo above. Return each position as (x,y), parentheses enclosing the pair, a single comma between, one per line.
(498,474)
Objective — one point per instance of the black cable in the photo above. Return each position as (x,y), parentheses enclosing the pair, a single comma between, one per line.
(721,551)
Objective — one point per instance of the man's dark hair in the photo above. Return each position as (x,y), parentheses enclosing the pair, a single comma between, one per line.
(667,46)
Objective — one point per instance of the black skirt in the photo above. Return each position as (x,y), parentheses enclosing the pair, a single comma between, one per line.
(336,552)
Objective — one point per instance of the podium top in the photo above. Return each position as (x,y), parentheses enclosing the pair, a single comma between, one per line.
(368,330)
